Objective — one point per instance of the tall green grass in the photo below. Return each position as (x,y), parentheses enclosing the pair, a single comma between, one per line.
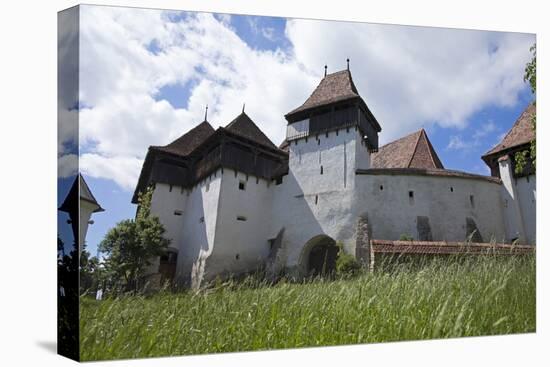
(441,299)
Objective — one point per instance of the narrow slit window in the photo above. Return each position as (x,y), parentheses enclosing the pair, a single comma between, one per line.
(381,187)
(411,197)
(242,185)
(321,169)
(452,189)
(472,202)
(316,199)
(178,212)
(241,218)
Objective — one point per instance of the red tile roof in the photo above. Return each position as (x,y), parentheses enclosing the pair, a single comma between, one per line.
(521,133)
(412,151)
(335,87)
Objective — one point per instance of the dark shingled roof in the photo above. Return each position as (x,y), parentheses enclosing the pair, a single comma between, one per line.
(412,151)
(333,88)
(185,144)
(521,133)
(85,194)
(244,126)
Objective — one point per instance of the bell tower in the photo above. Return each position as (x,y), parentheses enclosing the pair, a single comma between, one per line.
(331,134)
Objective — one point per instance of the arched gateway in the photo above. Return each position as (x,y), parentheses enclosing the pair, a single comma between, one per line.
(318,256)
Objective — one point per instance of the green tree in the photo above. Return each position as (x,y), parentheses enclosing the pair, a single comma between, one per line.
(132,244)
(530,76)
(88,269)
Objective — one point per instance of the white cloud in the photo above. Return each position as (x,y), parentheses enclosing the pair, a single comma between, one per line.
(67,165)
(456,143)
(224,18)
(411,76)
(123,170)
(408,76)
(485,129)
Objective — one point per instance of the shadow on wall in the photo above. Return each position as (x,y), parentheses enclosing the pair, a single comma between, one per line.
(303,233)
(194,249)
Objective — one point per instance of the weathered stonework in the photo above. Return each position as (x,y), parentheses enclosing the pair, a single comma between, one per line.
(362,244)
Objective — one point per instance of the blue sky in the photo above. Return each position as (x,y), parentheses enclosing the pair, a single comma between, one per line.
(147,76)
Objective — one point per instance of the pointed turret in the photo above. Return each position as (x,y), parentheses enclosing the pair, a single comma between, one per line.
(333,105)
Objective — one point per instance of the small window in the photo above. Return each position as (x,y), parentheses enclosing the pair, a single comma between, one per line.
(321,169)
(201,220)
(279,180)
(318,142)
(452,189)
(237,257)
(472,203)
(178,212)
(296,142)
(242,185)
(381,187)
(208,186)
(411,197)
(316,199)
(170,188)
(241,218)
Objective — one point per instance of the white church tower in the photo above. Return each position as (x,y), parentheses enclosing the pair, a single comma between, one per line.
(329,137)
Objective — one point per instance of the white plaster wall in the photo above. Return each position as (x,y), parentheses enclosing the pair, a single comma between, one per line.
(294,206)
(247,240)
(526,188)
(362,155)
(335,153)
(511,209)
(86,210)
(391,213)
(198,236)
(164,203)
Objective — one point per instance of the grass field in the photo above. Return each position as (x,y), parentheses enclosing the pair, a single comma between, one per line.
(478,296)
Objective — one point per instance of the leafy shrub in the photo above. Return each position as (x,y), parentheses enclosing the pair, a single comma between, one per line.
(346,264)
(406,237)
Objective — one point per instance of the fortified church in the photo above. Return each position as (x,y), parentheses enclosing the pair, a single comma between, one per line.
(233,202)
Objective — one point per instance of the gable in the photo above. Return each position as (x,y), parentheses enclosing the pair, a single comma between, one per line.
(244,126)
(520,133)
(185,144)
(411,151)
